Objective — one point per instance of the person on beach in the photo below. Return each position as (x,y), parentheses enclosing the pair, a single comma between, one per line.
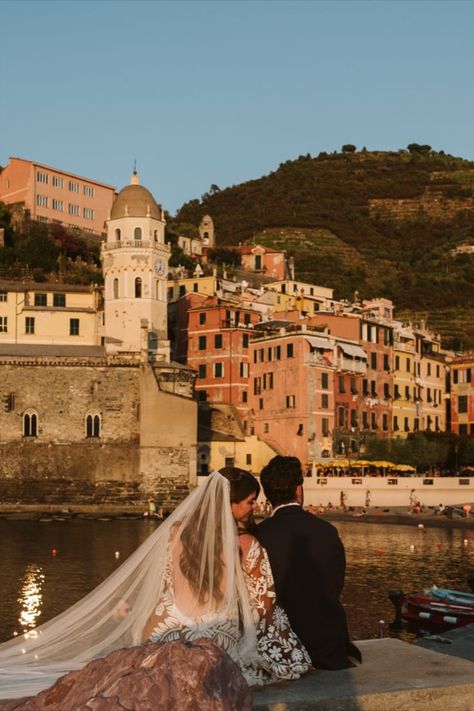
(193,577)
(308,563)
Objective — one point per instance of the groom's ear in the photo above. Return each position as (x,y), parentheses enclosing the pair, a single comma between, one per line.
(299,494)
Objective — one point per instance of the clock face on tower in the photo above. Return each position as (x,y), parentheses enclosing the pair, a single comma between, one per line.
(159,267)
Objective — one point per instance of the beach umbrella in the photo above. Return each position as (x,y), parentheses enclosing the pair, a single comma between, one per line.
(405,468)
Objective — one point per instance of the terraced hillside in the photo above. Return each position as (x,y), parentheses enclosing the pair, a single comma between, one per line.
(378,223)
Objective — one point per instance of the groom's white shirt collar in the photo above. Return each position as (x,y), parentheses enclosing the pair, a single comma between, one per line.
(282,506)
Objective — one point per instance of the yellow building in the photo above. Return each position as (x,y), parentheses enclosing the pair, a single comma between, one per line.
(178,287)
(307,298)
(404,406)
(50,314)
(419,379)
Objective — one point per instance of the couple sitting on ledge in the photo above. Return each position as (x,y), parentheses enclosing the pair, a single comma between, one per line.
(267,595)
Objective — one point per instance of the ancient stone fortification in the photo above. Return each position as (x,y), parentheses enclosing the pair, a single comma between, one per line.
(144,441)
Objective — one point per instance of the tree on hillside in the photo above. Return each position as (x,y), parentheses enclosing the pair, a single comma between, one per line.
(417,148)
(349,148)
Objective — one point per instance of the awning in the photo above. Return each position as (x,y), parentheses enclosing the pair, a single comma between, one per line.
(354,351)
(316,342)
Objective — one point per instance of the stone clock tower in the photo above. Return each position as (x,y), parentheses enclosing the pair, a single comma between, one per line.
(135,264)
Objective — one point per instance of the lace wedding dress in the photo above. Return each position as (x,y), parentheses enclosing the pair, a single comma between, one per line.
(185,581)
(280,654)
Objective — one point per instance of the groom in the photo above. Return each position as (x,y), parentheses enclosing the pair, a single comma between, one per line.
(308,564)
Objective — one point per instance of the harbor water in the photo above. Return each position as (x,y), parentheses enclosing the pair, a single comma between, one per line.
(48,565)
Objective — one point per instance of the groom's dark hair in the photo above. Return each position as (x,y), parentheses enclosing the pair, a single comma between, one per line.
(279,479)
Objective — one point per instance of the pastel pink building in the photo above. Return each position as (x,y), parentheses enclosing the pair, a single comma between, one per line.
(291,392)
(54,196)
(263,260)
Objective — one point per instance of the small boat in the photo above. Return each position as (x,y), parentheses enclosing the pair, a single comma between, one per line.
(435,608)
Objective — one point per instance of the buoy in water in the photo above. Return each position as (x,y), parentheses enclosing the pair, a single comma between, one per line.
(465,541)
(53,552)
(420,525)
(412,547)
(117,554)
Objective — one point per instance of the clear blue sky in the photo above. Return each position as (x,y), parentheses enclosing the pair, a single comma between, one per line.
(221,92)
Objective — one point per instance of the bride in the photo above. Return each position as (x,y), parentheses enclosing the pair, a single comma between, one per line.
(193,577)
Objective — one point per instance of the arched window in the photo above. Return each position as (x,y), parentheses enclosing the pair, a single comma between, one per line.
(93,425)
(157,289)
(117,235)
(30,424)
(138,288)
(116,288)
(206,235)
(137,233)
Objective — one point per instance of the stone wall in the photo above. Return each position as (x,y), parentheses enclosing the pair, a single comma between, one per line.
(147,443)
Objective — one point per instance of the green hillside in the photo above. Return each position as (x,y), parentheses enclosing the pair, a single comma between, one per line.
(380,223)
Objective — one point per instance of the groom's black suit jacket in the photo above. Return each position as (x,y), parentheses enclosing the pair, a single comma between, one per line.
(308,564)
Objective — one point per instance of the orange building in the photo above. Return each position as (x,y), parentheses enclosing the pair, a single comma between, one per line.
(462,394)
(218,346)
(55,196)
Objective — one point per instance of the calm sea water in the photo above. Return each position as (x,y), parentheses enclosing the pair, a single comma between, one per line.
(36,584)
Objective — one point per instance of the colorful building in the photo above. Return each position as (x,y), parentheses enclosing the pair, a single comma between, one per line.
(50,314)
(55,196)
(291,393)
(461,376)
(219,332)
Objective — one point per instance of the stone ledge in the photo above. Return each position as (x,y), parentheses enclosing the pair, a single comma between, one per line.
(395,676)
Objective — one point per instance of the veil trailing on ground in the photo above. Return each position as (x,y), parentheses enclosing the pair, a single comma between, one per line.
(197,545)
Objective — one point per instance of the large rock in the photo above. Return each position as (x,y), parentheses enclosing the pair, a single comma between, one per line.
(176,676)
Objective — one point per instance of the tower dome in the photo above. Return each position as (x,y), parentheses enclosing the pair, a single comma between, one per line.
(135,201)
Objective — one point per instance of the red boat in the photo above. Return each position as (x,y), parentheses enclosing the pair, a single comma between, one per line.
(438,608)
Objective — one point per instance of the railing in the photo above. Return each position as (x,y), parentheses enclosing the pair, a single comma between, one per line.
(353,366)
(135,243)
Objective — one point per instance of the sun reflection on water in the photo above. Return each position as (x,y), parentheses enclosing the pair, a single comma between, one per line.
(31,598)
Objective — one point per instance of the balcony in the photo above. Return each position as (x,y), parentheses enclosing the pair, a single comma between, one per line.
(351,365)
(318,359)
(131,244)
(239,324)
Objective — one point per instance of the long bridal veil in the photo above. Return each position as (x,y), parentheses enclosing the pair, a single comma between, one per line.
(199,542)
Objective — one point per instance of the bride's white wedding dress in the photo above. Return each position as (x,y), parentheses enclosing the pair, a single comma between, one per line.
(280,654)
(185,581)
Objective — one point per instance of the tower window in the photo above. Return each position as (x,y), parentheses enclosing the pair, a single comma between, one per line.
(137,233)
(73,326)
(93,425)
(155,235)
(138,288)
(30,424)
(116,288)
(118,235)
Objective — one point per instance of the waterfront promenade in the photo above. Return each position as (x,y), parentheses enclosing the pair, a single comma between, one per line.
(395,676)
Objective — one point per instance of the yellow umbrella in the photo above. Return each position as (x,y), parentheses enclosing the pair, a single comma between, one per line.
(384,465)
(405,468)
